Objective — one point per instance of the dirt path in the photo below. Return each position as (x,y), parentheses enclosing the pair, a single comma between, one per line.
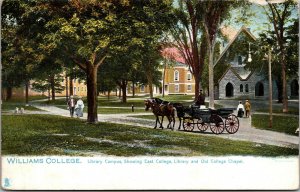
(245,132)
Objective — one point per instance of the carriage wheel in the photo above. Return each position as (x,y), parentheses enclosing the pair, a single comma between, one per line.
(188,124)
(216,124)
(201,125)
(232,124)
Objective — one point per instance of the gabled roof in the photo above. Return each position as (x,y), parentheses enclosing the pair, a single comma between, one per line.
(244,77)
(243,29)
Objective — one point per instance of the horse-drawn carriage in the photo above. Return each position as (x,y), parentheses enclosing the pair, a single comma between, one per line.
(193,116)
(203,118)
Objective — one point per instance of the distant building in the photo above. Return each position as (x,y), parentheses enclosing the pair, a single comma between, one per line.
(237,81)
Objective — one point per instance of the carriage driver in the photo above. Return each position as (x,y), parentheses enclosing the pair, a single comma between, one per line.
(201,99)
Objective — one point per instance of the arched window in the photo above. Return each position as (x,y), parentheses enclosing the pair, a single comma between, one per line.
(229,90)
(176,75)
(246,88)
(241,88)
(259,89)
(189,76)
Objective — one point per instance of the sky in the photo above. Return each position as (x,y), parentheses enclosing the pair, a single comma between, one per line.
(258,22)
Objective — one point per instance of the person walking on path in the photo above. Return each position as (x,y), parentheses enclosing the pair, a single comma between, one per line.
(247,108)
(240,110)
(201,99)
(71,105)
(79,108)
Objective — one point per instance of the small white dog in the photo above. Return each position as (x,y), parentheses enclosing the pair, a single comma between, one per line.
(22,110)
(17,110)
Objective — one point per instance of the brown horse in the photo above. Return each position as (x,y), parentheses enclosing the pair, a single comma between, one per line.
(160,109)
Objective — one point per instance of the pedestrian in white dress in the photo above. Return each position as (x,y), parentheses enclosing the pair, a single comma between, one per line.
(79,107)
(240,110)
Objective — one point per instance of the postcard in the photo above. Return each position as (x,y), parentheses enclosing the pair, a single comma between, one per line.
(150,95)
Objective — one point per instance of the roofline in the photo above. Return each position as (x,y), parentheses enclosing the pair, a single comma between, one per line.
(243,28)
(233,71)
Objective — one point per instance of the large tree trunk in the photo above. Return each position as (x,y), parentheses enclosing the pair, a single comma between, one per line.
(8,93)
(123,86)
(49,93)
(26,92)
(108,95)
(211,77)
(120,91)
(133,89)
(67,89)
(197,87)
(284,87)
(71,87)
(91,73)
(163,78)
(52,84)
(71,84)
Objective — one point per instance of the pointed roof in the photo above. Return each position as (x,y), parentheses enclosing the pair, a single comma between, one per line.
(242,77)
(244,30)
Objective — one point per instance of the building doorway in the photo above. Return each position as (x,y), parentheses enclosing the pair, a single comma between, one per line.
(229,90)
(259,89)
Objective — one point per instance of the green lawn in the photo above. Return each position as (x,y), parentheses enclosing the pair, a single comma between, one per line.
(292,110)
(150,116)
(8,106)
(285,124)
(54,135)
(112,110)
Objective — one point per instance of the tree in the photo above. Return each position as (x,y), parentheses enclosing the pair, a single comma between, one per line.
(15,51)
(86,31)
(279,16)
(186,32)
(213,14)
(267,39)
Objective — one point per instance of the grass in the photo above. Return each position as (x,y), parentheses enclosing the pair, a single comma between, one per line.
(136,101)
(284,124)
(152,117)
(113,110)
(8,106)
(292,110)
(54,135)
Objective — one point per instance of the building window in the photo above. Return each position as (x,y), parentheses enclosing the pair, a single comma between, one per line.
(240,60)
(78,88)
(176,88)
(81,88)
(74,90)
(189,88)
(189,76)
(246,88)
(142,88)
(176,75)
(241,88)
